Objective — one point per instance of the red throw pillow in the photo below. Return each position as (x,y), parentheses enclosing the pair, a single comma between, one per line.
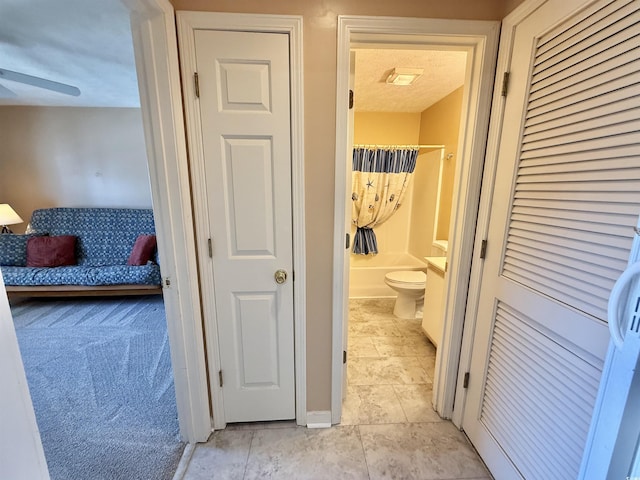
(142,250)
(53,251)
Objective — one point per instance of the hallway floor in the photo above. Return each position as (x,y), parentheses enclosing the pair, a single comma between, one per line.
(388,431)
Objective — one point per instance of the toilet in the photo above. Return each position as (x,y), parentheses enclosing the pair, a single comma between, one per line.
(410,287)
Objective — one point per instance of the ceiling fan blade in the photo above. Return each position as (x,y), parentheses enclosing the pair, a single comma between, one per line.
(39,82)
(6,93)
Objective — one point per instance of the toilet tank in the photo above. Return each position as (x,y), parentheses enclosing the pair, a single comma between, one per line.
(439,248)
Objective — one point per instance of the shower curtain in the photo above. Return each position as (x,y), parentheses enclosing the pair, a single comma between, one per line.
(379,181)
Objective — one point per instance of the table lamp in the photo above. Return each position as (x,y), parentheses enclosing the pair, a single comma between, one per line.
(8,216)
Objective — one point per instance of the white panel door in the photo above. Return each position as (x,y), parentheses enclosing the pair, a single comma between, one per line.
(563,211)
(245,115)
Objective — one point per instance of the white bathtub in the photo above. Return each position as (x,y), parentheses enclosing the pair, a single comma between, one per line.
(366,273)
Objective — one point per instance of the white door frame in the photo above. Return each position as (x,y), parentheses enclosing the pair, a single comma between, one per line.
(481,40)
(156,54)
(188,22)
(22,455)
(507,33)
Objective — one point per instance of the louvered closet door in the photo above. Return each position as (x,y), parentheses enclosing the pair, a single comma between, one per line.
(566,199)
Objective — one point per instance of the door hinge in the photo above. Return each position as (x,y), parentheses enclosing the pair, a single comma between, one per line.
(350,99)
(505,84)
(348,242)
(220,377)
(483,249)
(465,382)
(210,243)
(196,82)
(344,356)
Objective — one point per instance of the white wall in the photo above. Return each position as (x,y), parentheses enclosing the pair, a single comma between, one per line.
(72,157)
(21,454)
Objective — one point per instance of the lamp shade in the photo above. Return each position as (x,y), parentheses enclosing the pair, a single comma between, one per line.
(8,216)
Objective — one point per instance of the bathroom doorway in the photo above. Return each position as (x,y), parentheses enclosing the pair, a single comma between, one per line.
(477,41)
(392,344)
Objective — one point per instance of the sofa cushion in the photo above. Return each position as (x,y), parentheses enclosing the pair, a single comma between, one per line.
(105,235)
(142,250)
(76,275)
(13,249)
(51,251)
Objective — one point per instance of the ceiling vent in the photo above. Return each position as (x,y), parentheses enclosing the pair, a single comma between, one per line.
(404,76)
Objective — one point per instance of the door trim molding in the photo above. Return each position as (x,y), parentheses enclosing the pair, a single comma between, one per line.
(188,22)
(156,55)
(481,38)
(319,419)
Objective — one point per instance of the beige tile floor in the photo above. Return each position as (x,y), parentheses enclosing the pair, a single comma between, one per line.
(388,431)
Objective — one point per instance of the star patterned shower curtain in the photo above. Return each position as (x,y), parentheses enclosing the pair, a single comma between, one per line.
(379,181)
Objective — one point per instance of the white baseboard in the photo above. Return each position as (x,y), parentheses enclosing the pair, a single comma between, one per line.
(184,461)
(320,419)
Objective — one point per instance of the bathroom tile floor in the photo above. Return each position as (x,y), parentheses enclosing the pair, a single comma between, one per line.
(388,431)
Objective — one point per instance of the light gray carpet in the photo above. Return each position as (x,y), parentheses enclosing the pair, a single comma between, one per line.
(101,382)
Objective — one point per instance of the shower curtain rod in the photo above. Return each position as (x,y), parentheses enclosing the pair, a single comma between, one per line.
(397,146)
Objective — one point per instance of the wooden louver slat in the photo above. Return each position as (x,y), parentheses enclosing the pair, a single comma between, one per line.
(537,374)
(586,108)
(609,83)
(600,37)
(576,196)
(559,36)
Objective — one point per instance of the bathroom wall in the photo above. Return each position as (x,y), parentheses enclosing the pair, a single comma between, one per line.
(423,212)
(441,121)
(439,124)
(386,128)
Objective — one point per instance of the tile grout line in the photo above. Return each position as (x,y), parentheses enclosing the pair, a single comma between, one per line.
(364,452)
(395,393)
(374,345)
(246,463)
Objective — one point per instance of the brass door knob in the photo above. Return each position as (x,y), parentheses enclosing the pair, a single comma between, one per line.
(280,276)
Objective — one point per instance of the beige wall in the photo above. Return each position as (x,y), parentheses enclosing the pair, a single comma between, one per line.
(440,124)
(386,128)
(72,157)
(378,128)
(423,210)
(510,5)
(320,42)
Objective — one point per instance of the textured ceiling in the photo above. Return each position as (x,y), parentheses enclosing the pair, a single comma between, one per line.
(84,43)
(87,44)
(444,72)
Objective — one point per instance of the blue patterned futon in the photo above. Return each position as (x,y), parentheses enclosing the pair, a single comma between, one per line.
(105,241)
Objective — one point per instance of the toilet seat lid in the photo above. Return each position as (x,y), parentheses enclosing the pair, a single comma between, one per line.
(407,276)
